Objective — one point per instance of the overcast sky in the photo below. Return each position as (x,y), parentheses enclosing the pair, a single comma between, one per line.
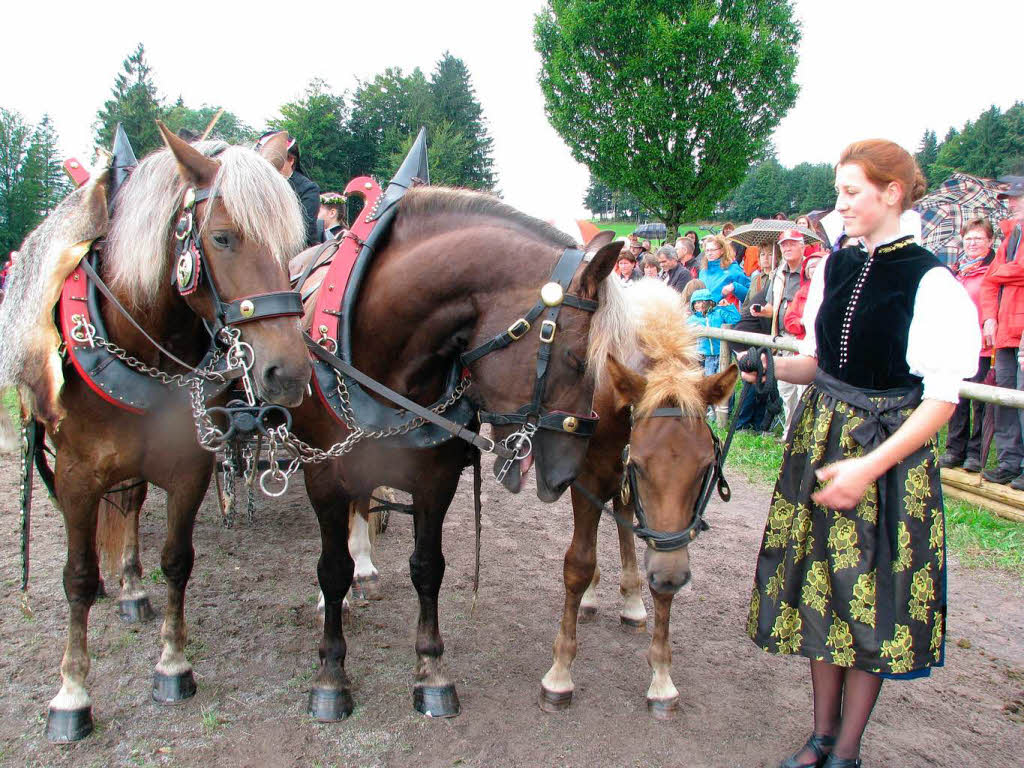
(888,68)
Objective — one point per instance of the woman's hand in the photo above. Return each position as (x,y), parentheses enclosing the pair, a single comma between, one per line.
(727,289)
(751,377)
(846,482)
(988,332)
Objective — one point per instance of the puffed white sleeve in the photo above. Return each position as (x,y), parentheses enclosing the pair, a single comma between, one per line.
(808,345)
(944,340)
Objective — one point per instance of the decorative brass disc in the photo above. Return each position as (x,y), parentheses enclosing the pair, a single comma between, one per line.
(246,308)
(552,294)
(185,269)
(570,423)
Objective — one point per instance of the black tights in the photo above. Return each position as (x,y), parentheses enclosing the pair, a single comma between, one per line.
(843,700)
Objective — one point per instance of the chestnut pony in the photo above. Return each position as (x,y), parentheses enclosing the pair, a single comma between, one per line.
(670,455)
(247,226)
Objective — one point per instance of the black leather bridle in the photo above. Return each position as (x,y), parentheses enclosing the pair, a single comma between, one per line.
(533,415)
(189,270)
(629,494)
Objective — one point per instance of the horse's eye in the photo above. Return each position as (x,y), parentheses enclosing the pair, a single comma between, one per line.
(221,240)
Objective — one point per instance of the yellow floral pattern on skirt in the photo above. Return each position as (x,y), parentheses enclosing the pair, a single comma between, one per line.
(828,586)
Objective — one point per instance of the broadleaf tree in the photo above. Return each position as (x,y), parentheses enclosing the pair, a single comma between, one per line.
(229,127)
(670,100)
(318,122)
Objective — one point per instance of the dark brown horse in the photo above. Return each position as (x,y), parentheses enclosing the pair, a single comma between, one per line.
(245,223)
(458,269)
(671,455)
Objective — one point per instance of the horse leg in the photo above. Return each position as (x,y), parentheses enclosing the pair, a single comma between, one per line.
(330,699)
(172,679)
(365,576)
(588,603)
(70,713)
(662,696)
(433,693)
(118,538)
(633,614)
(578,573)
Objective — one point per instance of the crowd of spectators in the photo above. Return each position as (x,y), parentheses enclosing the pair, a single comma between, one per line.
(763,289)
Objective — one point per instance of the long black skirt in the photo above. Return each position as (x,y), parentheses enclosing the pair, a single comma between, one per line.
(862,588)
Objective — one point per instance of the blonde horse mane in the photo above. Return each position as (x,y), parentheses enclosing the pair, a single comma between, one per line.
(258,199)
(645,328)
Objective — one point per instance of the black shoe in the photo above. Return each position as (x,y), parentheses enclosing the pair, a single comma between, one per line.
(1000,475)
(840,762)
(949,461)
(972,464)
(1018,483)
(819,745)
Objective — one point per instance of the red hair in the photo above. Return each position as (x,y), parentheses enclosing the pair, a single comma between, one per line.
(884,162)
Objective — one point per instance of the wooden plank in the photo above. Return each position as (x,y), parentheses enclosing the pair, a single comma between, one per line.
(998,508)
(975,484)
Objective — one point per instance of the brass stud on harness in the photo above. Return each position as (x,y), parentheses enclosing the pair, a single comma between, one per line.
(570,423)
(190,198)
(246,308)
(551,294)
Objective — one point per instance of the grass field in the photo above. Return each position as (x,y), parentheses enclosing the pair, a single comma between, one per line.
(976,536)
(624,228)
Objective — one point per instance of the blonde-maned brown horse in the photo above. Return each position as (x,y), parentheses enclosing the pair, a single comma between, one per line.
(654,402)
(245,223)
(458,269)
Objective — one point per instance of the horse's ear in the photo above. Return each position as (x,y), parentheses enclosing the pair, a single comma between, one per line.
(598,241)
(275,149)
(716,389)
(195,167)
(598,269)
(628,386)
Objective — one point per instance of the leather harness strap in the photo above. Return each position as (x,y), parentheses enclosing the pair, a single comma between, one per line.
(373,385)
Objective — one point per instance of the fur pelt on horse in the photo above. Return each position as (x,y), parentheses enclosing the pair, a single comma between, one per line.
(29,344)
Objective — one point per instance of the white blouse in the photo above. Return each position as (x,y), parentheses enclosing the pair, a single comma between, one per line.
(944,340)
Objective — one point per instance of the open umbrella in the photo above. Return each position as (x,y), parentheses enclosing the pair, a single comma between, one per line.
(653,230)
(763,231)
(958,199)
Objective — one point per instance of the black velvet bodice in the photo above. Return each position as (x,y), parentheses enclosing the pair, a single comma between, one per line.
(863,323)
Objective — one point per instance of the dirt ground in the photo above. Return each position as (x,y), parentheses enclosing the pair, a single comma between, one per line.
(254,636)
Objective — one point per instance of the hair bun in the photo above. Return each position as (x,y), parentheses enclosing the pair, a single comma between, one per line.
(920,186)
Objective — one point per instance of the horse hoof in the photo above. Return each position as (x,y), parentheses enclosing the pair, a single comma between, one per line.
(587,613)
(101,590)
(435,700)
(634,625)
(64,726)
(329,705)
(663,709)
(134,611)
(554,701)
(171,689)
(367,588)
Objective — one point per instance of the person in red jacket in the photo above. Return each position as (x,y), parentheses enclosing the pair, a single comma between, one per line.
(1002,312)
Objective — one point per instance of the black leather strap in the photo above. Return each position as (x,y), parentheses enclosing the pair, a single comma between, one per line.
(483,443)
(262,306)
(552,420)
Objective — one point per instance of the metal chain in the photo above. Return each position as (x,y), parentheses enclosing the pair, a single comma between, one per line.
(413,423)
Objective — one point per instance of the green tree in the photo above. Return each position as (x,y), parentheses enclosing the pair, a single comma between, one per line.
(229,126)
(134,103)
(598,197)
(927,155)
(317,122)
(449,155)
(455,103)
(668,99)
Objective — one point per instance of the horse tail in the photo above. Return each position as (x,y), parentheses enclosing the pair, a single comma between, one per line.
(117,518)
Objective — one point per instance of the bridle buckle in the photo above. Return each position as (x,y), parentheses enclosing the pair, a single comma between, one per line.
(518,329)
(547,331)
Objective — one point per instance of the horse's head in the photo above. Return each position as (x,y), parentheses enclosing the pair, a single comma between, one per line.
(669,457)
(556,355)
(247,223)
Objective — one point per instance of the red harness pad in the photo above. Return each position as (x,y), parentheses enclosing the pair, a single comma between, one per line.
(332,289)
(74,312)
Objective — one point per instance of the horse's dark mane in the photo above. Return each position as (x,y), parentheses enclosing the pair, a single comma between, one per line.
(430,202)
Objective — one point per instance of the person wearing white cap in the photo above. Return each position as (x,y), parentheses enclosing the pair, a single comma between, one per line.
(782,288)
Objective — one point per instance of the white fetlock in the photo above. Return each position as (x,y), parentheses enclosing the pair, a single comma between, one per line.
(71,697)
(633,610)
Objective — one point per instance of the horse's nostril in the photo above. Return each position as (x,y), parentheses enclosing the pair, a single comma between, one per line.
(271,374)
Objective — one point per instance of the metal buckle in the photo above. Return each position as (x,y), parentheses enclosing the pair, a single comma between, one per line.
(519,328)
(547,331)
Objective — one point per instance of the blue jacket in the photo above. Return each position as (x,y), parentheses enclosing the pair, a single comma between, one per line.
(718,316)
(714,277)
